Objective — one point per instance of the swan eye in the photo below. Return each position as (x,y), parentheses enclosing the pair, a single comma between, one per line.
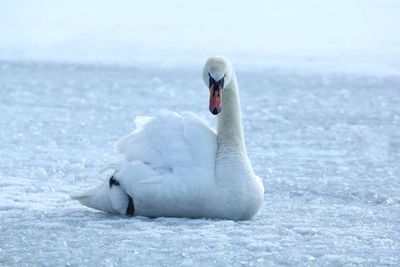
(212,81)
(221,82)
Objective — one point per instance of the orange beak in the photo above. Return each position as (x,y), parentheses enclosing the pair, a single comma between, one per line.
(216,88)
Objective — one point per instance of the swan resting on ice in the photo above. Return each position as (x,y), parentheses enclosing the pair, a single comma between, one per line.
(177,166)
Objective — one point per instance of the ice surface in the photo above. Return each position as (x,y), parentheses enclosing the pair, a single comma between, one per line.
(342,35)
(326,146)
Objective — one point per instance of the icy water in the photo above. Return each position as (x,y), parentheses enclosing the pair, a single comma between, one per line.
(327,147)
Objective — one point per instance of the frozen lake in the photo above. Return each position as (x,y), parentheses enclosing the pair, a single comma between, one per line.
(327,147)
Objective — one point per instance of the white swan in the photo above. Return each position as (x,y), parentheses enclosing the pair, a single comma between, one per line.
(177,166)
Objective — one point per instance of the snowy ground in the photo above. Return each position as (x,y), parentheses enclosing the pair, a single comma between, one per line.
(341,35)
(326,145)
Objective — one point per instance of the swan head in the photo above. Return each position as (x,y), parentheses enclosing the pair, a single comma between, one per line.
(217,74)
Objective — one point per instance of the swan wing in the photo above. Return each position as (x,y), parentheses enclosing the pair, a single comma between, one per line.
(170,141)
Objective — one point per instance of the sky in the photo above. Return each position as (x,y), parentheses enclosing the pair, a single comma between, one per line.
(333,34)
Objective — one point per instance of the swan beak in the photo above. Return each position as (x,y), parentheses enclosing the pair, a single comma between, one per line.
(216,88)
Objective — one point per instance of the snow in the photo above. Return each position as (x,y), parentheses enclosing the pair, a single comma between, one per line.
(327,147)
(343,35)
(321,111)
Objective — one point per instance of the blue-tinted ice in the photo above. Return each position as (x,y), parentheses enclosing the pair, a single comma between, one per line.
(326,145)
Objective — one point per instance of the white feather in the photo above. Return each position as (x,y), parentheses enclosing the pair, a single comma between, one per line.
(176,165)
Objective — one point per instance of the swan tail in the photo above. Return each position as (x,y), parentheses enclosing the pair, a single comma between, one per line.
(108,197)
(113,166)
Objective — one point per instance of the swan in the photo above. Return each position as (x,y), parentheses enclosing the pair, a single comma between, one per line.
(175,165)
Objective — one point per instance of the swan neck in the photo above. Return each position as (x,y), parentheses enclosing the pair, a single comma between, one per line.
(230,132)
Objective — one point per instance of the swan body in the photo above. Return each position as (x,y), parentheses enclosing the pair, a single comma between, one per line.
(177,166)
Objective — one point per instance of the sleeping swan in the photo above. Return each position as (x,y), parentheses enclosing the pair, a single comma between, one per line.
(177,166)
